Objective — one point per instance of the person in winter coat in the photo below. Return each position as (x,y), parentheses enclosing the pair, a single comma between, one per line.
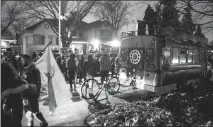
(31,107)
(34,55)
(89,67)
(71,71)
(12,88)
(105,66)
(80,68)
(113,65)
(129,66)
(117,64)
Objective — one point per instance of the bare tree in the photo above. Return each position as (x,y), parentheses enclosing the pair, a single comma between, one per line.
(202,12)
(14,19)
(72,11)
(113,11)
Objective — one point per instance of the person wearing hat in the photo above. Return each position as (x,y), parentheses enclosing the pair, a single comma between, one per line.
(71,70)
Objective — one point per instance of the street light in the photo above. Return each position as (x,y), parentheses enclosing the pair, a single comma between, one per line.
(115,43)
(96,43)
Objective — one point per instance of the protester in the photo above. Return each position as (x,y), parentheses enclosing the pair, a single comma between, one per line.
(33,76)
(71,70)
(112,65)
(80,68)
(34,55)
(12,88)
(117,64)
(59,61)
(64,69)
(105,66)
(88,67)
(129,66)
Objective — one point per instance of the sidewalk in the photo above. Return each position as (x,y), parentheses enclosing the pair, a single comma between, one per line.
(69,112)
(73,113)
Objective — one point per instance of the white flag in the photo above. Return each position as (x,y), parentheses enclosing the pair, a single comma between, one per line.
(58,89)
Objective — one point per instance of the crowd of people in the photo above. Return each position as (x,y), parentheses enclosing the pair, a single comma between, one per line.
(80,66)
(21,85)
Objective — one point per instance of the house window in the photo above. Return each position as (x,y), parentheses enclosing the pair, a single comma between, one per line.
(50,39)
(182,55)
(190,56)
(102,33)
(80,34)
(38,39)
(26,39)
(175,57)
(195,57)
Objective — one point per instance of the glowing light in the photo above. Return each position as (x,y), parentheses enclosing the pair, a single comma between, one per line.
(123,76)
(3,44)
(96,44)
(175,61)
(115,43)
(166,52)
(189,61)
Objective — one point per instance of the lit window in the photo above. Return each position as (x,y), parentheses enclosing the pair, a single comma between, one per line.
(195,57)
(189,56)
(182,56)
(175,59)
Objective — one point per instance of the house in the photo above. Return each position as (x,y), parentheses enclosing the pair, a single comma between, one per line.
(99,30)
(37,36)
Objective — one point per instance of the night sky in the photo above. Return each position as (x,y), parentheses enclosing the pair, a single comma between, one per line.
(137,14)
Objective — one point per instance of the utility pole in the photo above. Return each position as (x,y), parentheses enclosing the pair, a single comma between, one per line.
(59,28)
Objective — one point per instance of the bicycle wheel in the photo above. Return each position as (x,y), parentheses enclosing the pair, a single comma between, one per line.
(113,86)
(89,89)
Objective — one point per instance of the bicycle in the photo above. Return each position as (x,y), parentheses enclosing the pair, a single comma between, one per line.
(91,89)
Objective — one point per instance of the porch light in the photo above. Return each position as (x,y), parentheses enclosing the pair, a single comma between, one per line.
(175,61)
(115,43)
(3,44)
(96,43)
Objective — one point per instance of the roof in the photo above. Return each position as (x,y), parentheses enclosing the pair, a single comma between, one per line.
(52,21)
(83,25)
(97,24)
